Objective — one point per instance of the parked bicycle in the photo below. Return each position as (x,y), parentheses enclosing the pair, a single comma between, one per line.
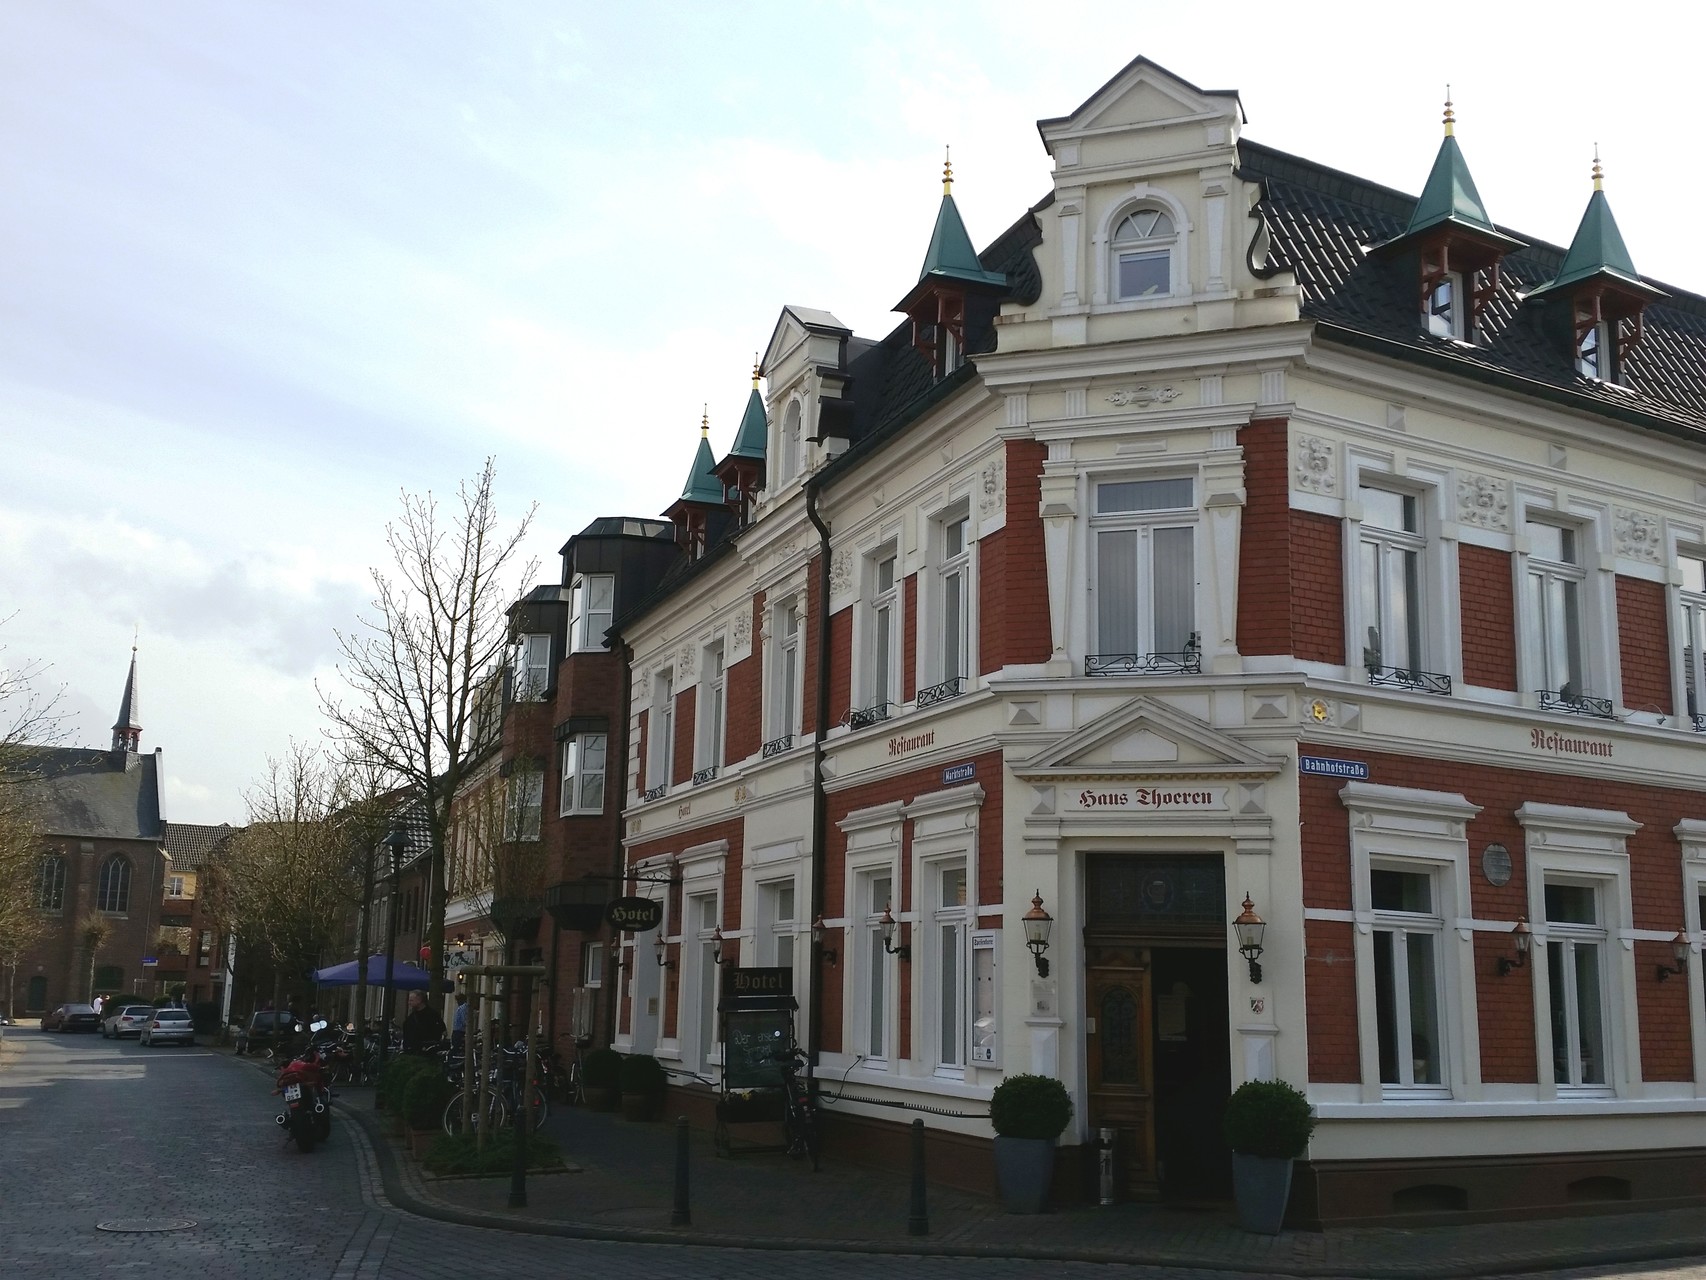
(799,1106)
(503,1099)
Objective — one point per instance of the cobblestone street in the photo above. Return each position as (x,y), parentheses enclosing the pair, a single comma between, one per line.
(95,1132)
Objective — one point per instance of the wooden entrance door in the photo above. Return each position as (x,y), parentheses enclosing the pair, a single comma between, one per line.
(1120,1061)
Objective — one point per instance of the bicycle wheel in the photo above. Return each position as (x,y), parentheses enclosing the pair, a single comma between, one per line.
(540,1107)
(496,1115)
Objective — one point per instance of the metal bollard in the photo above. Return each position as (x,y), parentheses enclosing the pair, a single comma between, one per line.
(681,1215)
(918,1219)
(1105,1156)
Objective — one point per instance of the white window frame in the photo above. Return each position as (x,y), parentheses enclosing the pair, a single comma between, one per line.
(950,1054)
(1440,626)
(1565,843)
(174,886)
(1106,254)
(592,964)
(873,853)
(1400,925)
(587,625)
(944,836)
(1688,626)
(660,744)
(572,753)
(790,439)
(701,869)
(1597,651)
(711,708)
(532,667)
(1151,243)
(524,804)
(1454,324)
(782,705)
(951,644)
(1403,828)
(776,939)
(1691,836)
(1145,524)
(880,672)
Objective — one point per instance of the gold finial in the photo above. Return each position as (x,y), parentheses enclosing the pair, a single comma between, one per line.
(705,421)
(757,371)
(1450,116)
(1598,173)
(947,171)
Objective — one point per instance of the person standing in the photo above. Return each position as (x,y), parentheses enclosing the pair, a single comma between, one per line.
(99,1001)
(459,1020)
(422,1027)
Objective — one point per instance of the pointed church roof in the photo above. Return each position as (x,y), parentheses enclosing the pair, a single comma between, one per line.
(1598,249)
(754,429)
(128,705)
(702,483)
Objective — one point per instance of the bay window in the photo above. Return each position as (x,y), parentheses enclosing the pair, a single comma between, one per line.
(581,789)
(592,602)
(532,667)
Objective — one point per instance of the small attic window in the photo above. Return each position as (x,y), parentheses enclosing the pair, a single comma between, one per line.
(1445,310)
(1143,246)
(1594,352)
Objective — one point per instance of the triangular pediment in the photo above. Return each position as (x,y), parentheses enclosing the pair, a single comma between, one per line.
(1147,738)
(794,326)
(1144,93)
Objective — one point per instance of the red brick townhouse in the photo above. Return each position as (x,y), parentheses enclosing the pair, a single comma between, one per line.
(1231,536)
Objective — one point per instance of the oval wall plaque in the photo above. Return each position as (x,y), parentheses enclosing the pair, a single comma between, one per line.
(636,915)
(1496,865)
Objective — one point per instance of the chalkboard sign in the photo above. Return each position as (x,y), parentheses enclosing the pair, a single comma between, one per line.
(751,1040)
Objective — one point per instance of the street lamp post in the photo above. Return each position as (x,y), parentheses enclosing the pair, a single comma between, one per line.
(396,840)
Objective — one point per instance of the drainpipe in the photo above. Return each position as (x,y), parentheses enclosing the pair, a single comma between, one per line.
(820,806)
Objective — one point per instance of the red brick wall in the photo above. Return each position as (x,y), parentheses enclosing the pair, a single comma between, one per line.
(1506,1007)
(1330,1002)
(681,767)
(746,693)
(1489,616)
(1264,551)
(840,665)
(1025,572)
(909,641)
(808,655)
(1643,641)
(1317,587)
(992,617)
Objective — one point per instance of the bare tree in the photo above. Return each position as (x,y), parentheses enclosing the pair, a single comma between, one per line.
(415,665)
(30,719)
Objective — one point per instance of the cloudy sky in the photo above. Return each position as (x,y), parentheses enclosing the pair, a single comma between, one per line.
(263,265)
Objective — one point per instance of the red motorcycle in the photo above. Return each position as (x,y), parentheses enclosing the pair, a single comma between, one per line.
(307,1094)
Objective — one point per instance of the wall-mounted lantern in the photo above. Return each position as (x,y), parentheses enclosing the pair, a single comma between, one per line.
(1522,937)
(1038,925)
(1250,927)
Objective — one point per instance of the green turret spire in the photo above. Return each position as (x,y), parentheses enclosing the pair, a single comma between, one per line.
(950,255)
(702,483)
(1450,194)
(1598,249)
(754,426)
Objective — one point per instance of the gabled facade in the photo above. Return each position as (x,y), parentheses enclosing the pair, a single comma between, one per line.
(1200,566)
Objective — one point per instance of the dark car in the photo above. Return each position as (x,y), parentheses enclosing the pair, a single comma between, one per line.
(266,1029)
(72,1017)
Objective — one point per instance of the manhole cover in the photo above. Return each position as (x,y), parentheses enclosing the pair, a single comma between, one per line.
(144,1225)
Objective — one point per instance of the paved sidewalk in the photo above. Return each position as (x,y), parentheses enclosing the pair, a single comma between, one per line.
(620,1187)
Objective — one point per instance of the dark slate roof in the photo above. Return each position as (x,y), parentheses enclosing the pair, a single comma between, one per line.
(83,792)
(1321,220)
(192,844)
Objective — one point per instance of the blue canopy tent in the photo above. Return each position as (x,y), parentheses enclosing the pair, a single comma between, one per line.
(404,976)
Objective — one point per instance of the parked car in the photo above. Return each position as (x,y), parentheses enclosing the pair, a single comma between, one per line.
(266,1029)
(125,1020)
(168,1026)
(71,1017)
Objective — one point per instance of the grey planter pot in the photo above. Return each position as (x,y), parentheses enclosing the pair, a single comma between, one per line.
(1024,1169)
(1260,1187)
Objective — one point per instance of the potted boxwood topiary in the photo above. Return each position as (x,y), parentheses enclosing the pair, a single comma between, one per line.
(425,1097)
(1267,1125)
(642,1079)
(601,1072)
(1029,1113)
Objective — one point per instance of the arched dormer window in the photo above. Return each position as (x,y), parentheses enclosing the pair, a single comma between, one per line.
(792,440)
(50,883)
(1142,248)
(115,885)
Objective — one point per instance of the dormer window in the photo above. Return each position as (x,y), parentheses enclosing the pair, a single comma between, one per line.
(1445,310)
(1593,354)
(1143,255)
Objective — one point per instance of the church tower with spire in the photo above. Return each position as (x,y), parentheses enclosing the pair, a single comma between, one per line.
(127,729)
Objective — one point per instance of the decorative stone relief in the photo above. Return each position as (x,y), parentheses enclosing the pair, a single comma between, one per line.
(1042,800)
(1317,471)
(994,494)
(743,630)
(1637,535)
(1484,502)
(1142,396)
(684,663)
(840,573)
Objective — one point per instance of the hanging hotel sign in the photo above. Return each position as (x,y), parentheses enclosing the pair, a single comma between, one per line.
(1173,798)
(636,915)
(1328,768)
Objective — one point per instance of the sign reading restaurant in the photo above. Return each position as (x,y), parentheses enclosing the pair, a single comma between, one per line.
(1563,744)
(1184,797)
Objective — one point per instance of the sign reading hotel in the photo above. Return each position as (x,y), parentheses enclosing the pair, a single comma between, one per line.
(1564,744)
(1178,798)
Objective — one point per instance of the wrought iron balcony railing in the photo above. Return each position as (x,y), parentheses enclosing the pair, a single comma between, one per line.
(1410,678)
(1187,661)
(1576,704)
(930,695)
(655,793)
(776,746)
(865,717)
(702,776)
